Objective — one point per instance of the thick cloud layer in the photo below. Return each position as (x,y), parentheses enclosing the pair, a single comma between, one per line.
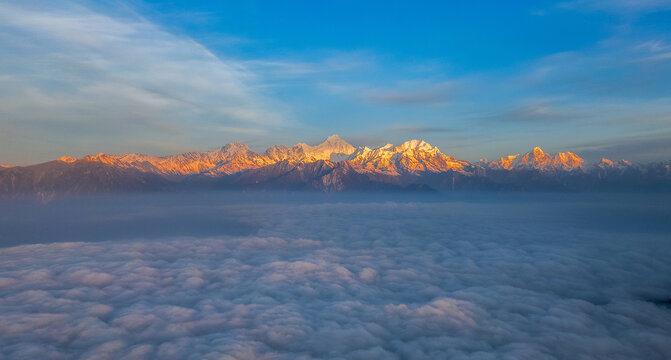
(359,280)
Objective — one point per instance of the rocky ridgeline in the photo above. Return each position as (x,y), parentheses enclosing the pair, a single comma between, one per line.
(333,165)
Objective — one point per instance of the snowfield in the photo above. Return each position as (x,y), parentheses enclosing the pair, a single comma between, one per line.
(350,277)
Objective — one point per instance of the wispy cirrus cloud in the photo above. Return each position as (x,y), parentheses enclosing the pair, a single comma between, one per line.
(420,129)
(411,94)
(545,111)
(648,147)
(618,6)
(316,65)
(119,79)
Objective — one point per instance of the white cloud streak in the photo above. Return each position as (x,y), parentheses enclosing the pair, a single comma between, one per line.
(69,71)
(414,94)
(625,7)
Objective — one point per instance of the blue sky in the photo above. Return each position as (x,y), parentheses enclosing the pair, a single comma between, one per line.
(477,79)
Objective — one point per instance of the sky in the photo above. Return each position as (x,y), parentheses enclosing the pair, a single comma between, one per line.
(477,79)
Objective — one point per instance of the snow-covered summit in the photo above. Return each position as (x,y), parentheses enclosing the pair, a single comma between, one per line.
(418,145)
(235,148)
(333,148)
(539,160)
(410,157)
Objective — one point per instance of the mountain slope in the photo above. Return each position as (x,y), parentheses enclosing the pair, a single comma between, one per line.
(333,165)
(77,177)
(227,160)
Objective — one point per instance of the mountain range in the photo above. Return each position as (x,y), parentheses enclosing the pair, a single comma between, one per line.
(333,165)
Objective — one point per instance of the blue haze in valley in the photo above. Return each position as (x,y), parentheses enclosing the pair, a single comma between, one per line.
(266,275)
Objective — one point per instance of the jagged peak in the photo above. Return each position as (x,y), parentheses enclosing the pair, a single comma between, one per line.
(606,162)
(336,143)
(411,145)
(235,148)
(333,148)
(537,158)
(67,159)
(96,157)
(334,139)
(417,145)
(413,156)
(505,162)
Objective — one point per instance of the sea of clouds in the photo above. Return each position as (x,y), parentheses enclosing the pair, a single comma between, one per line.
(365,278)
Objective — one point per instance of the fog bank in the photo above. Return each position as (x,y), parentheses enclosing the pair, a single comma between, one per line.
(285,277)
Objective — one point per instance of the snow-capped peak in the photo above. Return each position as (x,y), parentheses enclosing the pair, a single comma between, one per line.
(334,144)
(333,148)
(505,162)
(235,148)
(606,162)
(334,139)
(417,145)
(540,160)
(410,157)
(67,159)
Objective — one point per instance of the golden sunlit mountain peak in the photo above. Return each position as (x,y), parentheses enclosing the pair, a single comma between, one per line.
(410,157)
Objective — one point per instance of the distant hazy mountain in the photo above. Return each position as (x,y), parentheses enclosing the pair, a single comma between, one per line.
(333,165)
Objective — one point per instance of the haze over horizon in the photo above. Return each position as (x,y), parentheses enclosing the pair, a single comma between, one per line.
(477,80)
